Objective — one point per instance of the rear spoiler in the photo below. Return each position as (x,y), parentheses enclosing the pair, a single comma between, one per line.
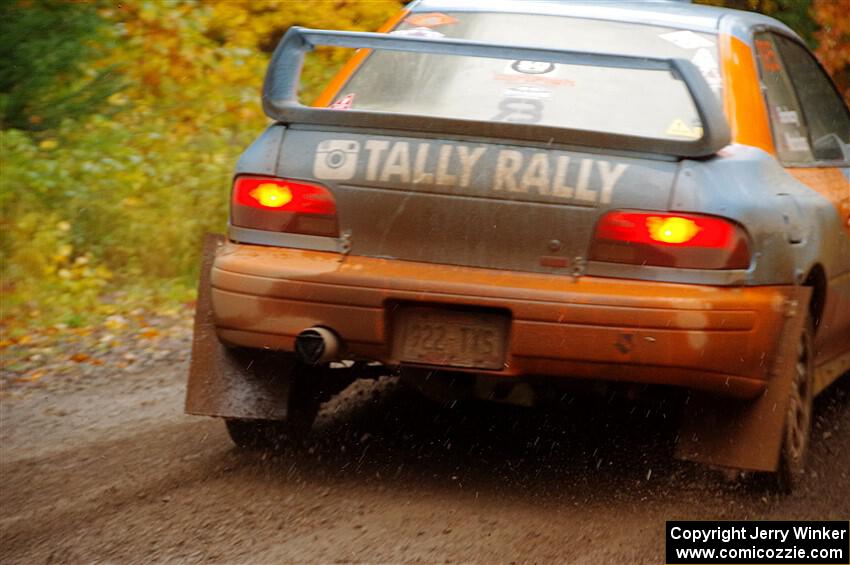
(280,93)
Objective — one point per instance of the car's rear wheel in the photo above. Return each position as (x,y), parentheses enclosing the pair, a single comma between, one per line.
(257,434)
(798,420)
(306,392)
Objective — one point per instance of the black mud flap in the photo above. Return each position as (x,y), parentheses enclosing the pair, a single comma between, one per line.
(228,382)
(747,435)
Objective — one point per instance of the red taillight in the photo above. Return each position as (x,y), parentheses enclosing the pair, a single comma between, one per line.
(686,241)
(276,204)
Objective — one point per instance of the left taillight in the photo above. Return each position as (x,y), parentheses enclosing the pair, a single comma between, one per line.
(283,205)
(688,241)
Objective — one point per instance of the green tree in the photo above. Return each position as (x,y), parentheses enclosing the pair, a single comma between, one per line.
(42,46)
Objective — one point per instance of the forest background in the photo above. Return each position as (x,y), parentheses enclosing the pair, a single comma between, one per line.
(120,124)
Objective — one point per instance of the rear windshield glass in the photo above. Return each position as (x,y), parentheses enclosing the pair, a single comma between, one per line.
(646,103)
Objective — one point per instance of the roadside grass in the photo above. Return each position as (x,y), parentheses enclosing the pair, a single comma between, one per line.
(98,221)
(56,337)
(50,308)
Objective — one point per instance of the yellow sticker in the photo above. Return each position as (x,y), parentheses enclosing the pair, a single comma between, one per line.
(681,129)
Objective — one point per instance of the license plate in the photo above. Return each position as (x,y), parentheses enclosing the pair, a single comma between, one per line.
(451,338)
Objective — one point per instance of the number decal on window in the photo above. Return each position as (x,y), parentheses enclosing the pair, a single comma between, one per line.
(520,110)
(769,60)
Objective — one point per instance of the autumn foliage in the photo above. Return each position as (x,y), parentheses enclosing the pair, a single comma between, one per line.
(833,40)
(105,198)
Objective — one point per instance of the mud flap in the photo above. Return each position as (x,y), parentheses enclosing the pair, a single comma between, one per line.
(747,435)
(225,382)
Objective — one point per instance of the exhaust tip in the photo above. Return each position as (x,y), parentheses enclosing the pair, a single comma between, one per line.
(316,346)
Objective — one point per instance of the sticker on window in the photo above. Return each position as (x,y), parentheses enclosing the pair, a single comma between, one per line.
(708,67)
(787,116)
(419,32)
(343,103)
(769,59)
(533,67)
(679,128)
(686,39)
(534,73)
(796,142)
(434,19)
(534,92)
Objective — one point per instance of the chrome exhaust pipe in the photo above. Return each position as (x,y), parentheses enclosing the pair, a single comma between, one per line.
(317,346)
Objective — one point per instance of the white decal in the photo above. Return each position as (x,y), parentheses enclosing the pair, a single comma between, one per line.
(336,159)
(536,174)
(443,177)
(559,183)
(686,39)
(418,32)
(707,65)
(543,173)
(397,163)
(787,116)
(468,161)
(796,142)
(507,166)
(582,190)
(375,147)
(420,176)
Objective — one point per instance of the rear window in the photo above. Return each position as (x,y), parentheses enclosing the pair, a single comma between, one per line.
(646,103)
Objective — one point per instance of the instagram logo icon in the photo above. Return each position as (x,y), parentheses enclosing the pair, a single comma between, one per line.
(336,159)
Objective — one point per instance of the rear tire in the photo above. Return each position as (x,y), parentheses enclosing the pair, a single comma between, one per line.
(306,392)
(257,434)
(798,421)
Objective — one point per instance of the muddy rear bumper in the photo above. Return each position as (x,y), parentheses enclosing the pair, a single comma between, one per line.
(702,337)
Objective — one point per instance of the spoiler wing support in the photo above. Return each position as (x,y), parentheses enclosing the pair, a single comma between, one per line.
(280,93)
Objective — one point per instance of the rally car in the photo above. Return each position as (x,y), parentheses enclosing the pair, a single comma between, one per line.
(515,196)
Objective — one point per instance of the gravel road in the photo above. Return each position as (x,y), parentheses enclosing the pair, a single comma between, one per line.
(108,469)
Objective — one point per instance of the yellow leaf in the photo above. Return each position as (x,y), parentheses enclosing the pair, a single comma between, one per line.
(31,378)
(149,333)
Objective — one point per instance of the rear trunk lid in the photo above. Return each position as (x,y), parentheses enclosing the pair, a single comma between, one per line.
(467,202)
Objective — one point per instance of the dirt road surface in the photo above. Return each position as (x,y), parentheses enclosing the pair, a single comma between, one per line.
(108,469)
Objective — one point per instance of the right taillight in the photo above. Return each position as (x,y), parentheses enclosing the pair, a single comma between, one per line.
(283,205)
(688,241)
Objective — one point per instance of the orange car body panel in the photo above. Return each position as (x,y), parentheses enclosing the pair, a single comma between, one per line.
(703,337)
(743,101)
